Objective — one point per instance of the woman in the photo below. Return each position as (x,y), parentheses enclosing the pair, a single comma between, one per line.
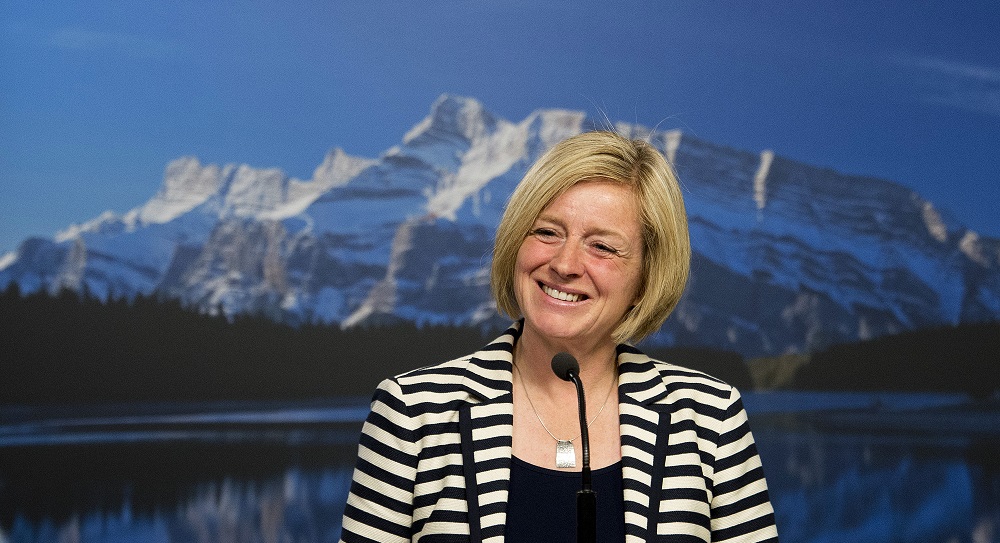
(591,254)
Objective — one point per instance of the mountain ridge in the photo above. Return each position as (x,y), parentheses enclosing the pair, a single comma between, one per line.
(788,257)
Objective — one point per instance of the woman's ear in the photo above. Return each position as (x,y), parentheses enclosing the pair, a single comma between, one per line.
(638,298)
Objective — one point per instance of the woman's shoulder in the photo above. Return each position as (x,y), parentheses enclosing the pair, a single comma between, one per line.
(677,378)
(486,372)
(435,373)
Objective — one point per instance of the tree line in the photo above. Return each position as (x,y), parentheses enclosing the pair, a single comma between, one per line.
(963,358)
(71,347)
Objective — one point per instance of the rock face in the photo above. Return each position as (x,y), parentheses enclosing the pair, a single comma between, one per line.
(788,257)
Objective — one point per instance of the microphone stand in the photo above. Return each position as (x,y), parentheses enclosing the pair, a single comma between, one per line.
(586,498)
(566,368)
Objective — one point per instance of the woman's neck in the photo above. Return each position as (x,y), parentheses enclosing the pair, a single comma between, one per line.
(533,357)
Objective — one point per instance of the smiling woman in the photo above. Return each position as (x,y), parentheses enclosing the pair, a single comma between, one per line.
(592,253)
(578,270)
(659,209)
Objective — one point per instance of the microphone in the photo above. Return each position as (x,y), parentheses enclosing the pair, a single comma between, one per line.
(565,366)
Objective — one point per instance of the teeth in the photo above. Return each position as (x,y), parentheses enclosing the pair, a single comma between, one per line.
(560,295)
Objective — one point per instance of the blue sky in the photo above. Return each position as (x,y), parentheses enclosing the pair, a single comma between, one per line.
(97,96)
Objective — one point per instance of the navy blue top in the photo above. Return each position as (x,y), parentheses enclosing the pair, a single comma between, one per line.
(541,504)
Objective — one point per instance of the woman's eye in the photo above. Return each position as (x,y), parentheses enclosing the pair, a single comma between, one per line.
(606,249)
(544,232)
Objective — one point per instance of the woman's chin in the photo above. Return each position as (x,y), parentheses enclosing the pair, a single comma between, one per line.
(560,330)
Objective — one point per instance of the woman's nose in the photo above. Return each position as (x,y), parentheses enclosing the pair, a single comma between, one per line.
(568,260)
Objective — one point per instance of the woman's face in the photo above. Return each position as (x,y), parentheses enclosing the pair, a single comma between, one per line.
(579,269)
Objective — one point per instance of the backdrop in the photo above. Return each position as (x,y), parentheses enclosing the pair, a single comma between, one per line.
(222,223)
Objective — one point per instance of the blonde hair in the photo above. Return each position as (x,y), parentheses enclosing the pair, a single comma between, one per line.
(633,163)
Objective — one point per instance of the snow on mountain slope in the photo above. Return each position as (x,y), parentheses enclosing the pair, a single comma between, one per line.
(788,257)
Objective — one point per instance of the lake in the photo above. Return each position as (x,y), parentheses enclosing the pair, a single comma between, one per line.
(841,468)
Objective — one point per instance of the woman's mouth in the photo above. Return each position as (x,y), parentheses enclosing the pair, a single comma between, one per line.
(560,295)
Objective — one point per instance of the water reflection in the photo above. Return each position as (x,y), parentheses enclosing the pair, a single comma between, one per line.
(281,474)
(875,488)
(300,508)
(178,493)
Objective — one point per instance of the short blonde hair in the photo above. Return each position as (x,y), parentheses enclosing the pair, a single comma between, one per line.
(633,163)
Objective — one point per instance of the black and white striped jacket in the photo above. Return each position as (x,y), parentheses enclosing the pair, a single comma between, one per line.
(435,453)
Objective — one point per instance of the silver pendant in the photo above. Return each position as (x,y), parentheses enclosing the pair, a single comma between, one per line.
(565,454)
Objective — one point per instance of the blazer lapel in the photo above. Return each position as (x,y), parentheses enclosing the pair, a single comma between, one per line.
(645,432)
(486,424)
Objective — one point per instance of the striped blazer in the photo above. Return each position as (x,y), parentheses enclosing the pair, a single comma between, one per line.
(435,453)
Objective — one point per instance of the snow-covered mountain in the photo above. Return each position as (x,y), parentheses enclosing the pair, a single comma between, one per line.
(788,257)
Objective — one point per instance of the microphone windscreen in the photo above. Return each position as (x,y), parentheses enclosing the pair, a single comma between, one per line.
(563,364)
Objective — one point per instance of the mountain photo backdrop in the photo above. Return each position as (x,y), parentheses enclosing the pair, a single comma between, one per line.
(789,258)
(196,364)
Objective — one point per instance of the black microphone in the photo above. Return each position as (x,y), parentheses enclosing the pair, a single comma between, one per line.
(567,368)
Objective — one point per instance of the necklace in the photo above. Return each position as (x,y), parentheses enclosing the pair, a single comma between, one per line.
(565,452)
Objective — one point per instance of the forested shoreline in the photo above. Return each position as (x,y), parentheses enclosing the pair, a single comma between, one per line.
(73,348)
